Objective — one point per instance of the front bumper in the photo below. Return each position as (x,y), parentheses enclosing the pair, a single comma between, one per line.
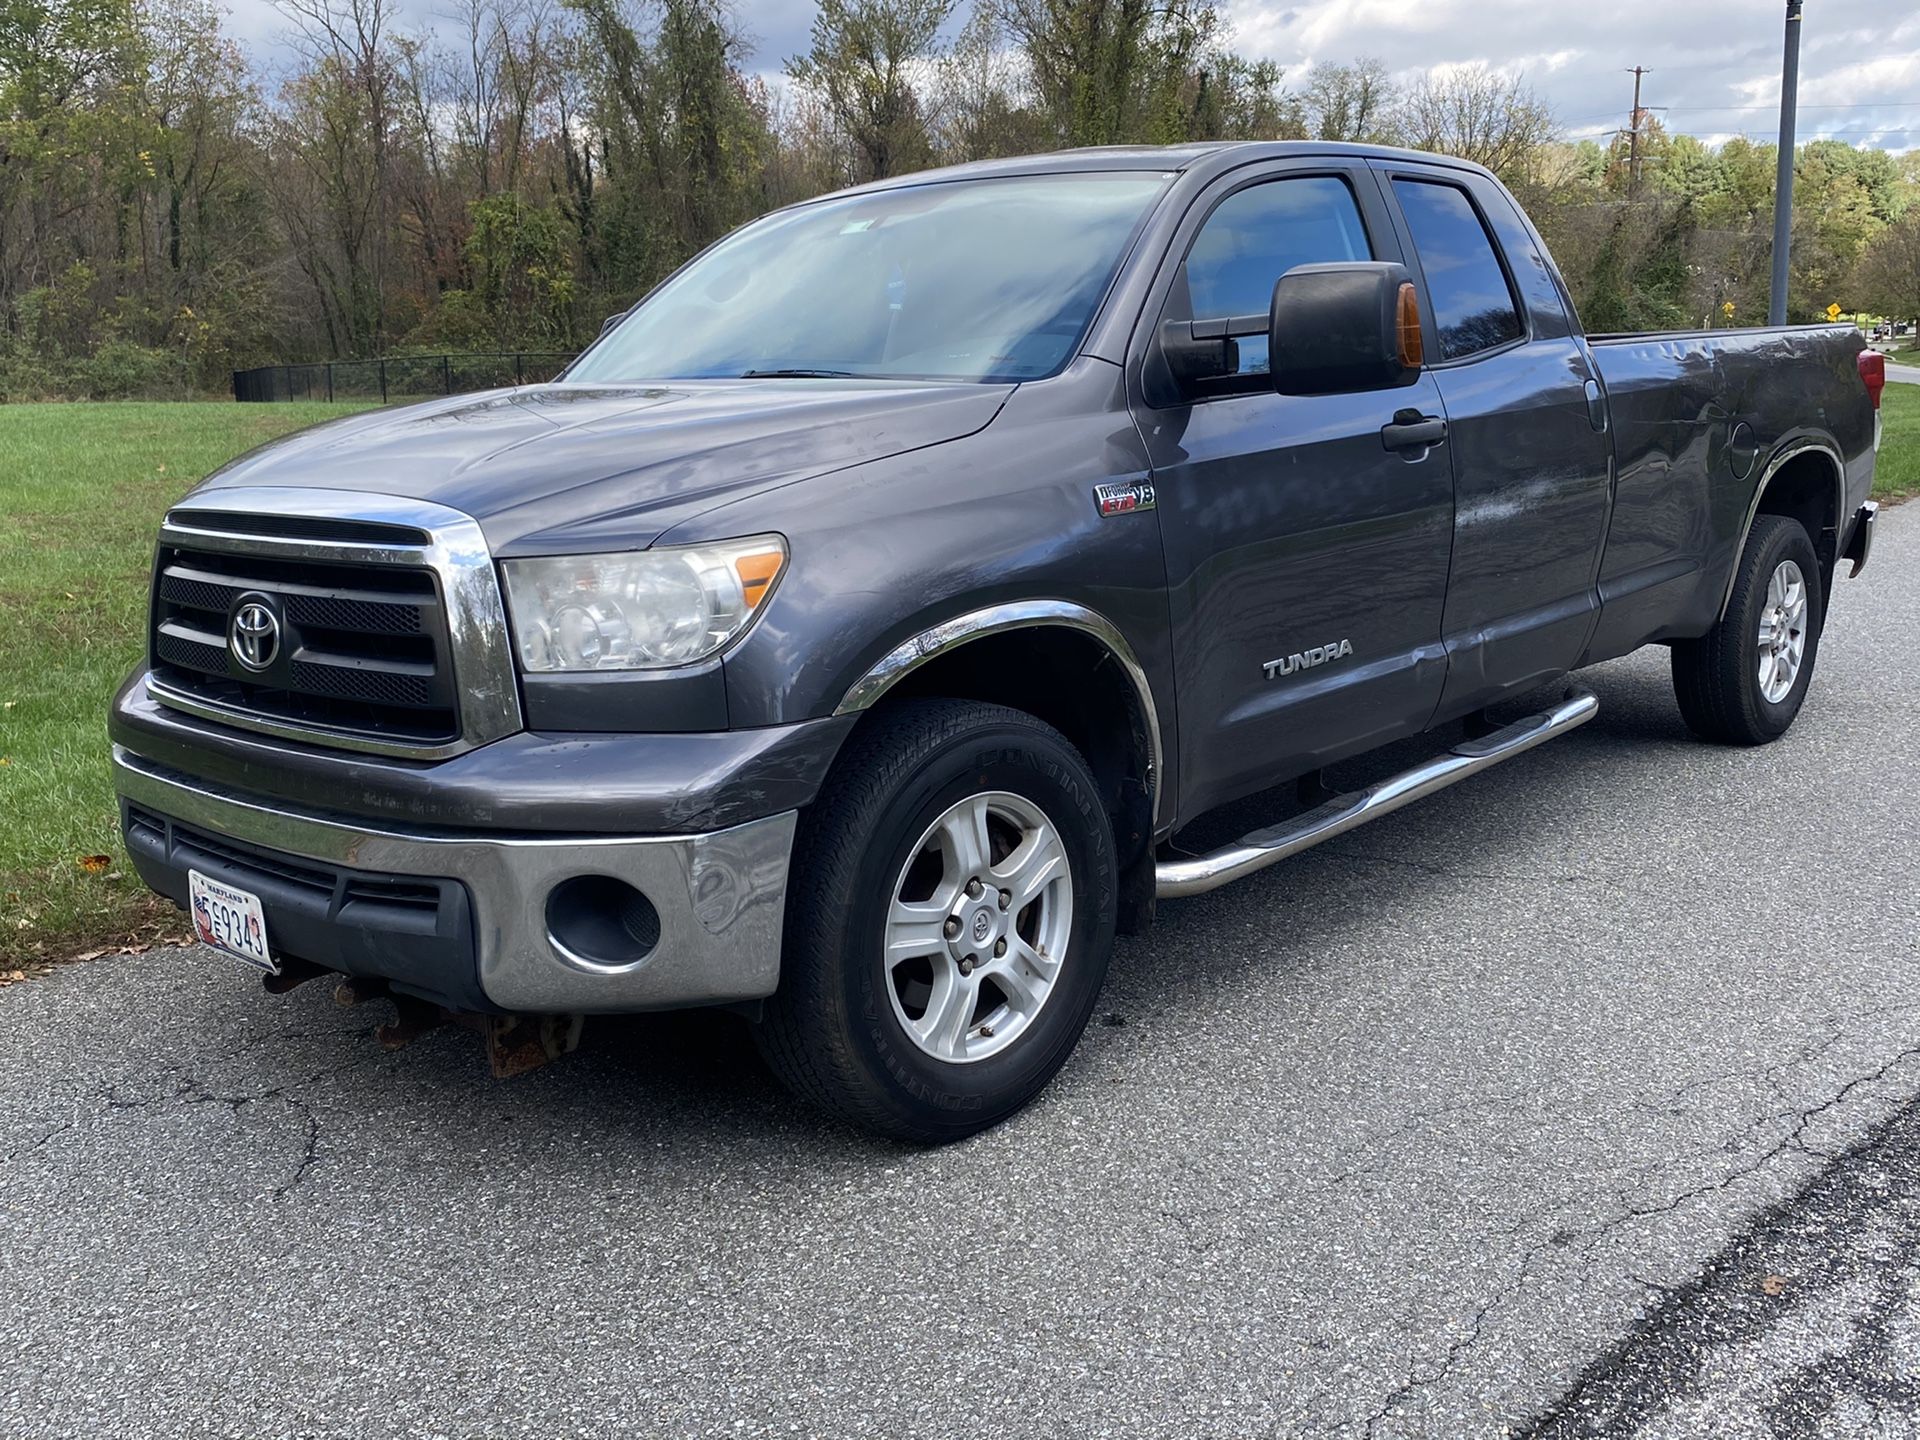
(720,897)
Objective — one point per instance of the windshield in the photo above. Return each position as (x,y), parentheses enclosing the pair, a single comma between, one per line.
(968,280)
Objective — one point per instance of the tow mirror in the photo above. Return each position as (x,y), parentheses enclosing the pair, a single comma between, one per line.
(1344,327)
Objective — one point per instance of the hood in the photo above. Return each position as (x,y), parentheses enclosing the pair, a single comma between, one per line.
(564,468)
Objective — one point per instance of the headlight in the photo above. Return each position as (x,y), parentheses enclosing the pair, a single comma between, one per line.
(647,610)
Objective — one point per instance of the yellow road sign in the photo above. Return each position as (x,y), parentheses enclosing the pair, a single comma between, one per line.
(1833,312)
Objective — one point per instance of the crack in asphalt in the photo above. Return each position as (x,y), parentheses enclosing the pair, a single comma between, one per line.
(1832,1234)
(1454,871)
(1832,1379)
(192,1091)
(1457,1348)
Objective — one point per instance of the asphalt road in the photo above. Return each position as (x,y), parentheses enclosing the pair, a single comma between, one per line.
(1906,374)
(1567,1103)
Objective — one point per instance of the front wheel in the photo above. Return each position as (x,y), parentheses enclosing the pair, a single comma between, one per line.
(1744,680)
(950,914)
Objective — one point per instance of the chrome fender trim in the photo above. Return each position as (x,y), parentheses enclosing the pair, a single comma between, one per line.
(910,654)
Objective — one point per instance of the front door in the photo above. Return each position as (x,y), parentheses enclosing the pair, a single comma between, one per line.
(1306,559)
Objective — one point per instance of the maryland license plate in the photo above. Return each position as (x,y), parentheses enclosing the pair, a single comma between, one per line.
(230,920)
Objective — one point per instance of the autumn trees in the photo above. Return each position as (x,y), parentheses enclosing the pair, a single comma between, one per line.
(171,208)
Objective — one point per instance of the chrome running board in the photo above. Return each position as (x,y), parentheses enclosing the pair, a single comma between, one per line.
(1175,878)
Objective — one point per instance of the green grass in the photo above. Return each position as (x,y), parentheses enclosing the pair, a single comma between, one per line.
(1898,473)
(82,489)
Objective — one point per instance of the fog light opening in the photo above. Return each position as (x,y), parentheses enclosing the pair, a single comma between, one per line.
(601,923)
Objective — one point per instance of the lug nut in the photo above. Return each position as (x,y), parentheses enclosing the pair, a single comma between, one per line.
(952,927)
(974,888)
(966,967)
(999,948)
(1006,898)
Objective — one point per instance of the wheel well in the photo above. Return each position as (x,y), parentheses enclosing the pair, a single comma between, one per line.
(1803,489)
(1071,680)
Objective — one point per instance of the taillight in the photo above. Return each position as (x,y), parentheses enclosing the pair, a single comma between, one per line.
(1873,371)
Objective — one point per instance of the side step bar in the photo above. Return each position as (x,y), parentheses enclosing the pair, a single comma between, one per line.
(1175,878)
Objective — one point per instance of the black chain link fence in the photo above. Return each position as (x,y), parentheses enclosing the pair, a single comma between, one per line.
(399,377)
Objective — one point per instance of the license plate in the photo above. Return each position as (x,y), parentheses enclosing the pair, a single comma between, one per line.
(231,921)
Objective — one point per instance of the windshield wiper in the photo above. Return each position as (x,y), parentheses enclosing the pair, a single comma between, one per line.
(798,375)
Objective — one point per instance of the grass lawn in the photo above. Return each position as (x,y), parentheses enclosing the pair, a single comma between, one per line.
(1898,473)
(82,489)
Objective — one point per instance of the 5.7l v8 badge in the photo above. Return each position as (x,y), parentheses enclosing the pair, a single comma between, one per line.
(1114,500)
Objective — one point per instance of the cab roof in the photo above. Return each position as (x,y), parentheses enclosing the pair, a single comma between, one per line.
(1210,155)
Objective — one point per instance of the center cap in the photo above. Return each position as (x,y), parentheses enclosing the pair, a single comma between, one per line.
(982,927)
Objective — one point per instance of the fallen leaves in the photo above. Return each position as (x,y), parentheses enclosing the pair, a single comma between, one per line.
(96,864)
(1774,1285)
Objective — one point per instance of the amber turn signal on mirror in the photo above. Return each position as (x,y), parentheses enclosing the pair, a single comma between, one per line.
(1413,348)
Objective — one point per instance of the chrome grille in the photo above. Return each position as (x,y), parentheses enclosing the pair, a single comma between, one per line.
(391,634)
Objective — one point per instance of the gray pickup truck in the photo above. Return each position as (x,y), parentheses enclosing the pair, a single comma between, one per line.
(847,635)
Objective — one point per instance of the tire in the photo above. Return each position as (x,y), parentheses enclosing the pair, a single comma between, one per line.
(1718,678)
(893,1044)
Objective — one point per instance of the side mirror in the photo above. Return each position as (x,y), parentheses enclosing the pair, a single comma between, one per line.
(1344,327)
(1199,351)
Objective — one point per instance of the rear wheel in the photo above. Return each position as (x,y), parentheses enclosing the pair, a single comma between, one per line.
(1743,681)
(950,915)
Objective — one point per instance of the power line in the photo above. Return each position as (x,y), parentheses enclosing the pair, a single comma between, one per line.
(1727,109)
(1769,134)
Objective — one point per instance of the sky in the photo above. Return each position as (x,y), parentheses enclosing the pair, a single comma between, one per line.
(1714,65)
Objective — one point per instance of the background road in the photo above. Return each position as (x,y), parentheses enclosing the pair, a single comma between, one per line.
(1522,1110)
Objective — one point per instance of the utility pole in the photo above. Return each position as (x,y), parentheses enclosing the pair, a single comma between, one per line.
(1633,144)
(1783,183)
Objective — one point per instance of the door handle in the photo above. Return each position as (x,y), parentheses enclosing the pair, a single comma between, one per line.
(1410,430)
(1596,407)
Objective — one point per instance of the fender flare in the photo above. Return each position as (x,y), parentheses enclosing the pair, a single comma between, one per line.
(1793,450)
(949,635)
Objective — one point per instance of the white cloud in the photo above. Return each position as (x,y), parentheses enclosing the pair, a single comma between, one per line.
(1714,64)
(1860,74)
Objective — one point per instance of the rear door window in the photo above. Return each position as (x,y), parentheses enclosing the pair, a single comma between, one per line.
(1473,305)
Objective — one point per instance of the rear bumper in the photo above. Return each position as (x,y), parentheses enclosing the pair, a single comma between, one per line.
(467,918)
(1860,538)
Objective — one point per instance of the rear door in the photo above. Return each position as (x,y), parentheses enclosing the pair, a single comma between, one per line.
(1526,422)
(1306,557)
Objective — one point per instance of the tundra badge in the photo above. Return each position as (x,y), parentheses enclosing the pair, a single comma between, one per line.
(1114,500)
(1306,660)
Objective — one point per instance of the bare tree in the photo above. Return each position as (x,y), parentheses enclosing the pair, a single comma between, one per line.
(348,45)
(1479,115)
(862,64)
(1351,102)
(1111,71)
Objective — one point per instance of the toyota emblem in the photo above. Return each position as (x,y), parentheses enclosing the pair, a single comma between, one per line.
(253,635)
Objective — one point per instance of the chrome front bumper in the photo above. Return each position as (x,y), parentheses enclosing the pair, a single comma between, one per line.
(721,896)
